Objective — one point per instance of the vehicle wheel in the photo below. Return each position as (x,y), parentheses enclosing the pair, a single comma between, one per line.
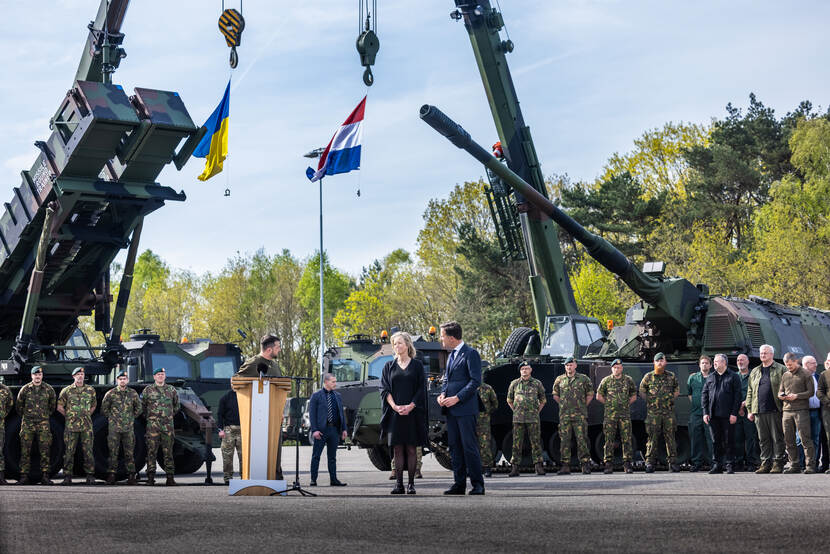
(379,456)
(443,458)
(187,462)
(517,342)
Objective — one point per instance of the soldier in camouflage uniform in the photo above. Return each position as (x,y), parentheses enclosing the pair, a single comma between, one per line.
(6,402)
(573,392)
(35,403)
(617,392)
(161,403)
(526,397)
(121,406)
(487,405)
(659,388)
(76,404)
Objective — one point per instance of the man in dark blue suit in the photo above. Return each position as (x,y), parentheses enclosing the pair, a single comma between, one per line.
(459,398)
(328,424)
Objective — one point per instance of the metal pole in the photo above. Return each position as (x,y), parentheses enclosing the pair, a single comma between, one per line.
(322,326)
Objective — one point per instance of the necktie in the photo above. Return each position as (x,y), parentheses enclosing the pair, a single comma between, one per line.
(452,359)
(330,406)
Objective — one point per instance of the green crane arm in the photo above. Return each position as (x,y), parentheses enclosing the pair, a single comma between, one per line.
(549,284)
(102,51)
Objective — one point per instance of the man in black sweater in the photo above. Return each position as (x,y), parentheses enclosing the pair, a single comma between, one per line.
(721,400)
(230,433)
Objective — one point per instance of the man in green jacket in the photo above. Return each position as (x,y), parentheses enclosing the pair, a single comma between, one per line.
(764,409)
(699,434)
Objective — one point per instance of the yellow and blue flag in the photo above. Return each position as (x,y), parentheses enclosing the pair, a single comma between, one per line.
(214,145)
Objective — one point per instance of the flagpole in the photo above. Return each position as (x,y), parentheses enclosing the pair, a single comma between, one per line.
(322,326)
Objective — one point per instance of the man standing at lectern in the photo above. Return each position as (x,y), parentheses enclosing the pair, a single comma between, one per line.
(328,425)
(266,361)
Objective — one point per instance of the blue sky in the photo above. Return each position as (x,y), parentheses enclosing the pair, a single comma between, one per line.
(591,76)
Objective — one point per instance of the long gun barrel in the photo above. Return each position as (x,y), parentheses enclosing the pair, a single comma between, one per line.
(651,289)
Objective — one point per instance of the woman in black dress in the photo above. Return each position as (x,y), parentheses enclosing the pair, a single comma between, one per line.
(404,420)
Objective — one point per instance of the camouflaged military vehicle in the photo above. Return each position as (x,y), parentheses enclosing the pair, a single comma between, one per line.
(675,316)
(81,203)
(358,365)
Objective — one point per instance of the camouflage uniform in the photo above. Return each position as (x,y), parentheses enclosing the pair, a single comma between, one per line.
(160,405)
(616,393)
(488,399)
(526,398)
(573,415)
(6,401)
(78,404)
(659,391)
(121,409)
(230,442)
(35,404)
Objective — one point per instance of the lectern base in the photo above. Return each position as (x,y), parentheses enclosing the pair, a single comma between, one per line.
(255,487)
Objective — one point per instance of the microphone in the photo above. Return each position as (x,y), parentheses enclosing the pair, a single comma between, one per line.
(263,369)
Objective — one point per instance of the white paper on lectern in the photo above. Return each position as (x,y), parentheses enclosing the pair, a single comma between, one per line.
(258,467)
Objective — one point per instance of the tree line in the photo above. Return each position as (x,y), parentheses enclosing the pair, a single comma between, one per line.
(740,203)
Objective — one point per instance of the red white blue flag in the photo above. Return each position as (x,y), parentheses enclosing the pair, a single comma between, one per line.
(343,152)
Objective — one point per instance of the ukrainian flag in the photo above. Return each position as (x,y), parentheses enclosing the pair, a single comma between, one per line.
(214,145)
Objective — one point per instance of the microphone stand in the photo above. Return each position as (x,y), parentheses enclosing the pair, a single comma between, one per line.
(297,422)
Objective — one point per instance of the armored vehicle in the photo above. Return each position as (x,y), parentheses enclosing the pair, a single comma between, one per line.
(358,365)
(83,200)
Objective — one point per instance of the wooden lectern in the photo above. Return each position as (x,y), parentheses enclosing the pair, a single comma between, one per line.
(261,402)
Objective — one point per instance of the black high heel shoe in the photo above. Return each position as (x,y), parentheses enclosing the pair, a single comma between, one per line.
(398,489)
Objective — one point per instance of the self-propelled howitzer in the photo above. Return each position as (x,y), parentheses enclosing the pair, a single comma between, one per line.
(674,315)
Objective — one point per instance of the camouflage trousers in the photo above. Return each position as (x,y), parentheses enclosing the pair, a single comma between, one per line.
(419,459)
(534,434)
(484,435)
(577,427)
(609,428)
(159,434)
(657,424)
(28,432)
(125,440)
(2,442)
(230,442)
(70,441)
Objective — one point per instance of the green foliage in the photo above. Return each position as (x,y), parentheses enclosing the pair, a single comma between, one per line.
(599,294)
(337,287)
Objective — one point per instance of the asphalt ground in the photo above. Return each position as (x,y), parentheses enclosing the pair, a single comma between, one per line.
(659,512)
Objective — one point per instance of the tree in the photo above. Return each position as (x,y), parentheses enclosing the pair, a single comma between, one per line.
(337,287)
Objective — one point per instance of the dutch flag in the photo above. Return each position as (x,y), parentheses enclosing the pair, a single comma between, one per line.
(343,151)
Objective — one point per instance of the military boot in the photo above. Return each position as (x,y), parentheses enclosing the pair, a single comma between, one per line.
(794,468)
(111,479)
(24,479)
(627,467)
(809,469)
(151,479)
(764,468)
(586,468)
(67,479)
(649,468)
(392,475)
(45,479)
(539,469)
(564,470)
(487,472)
(3,479)
(132,480)
(170,481)
(90,479)
(609,468)
(777,467)
(514,472)
(418,474)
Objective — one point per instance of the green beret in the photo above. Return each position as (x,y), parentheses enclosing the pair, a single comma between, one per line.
(659,356)
(120,373)
(36,369)
(569,359)
(76,370)
(616,361)
(158,370)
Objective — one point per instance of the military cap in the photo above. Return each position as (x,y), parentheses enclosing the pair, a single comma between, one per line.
(36,369)
(158,370)
(616,361)
(659,356)
(123,372)
(569,359)
(76,370)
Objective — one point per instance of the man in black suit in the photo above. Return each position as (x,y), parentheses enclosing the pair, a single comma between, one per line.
(328,426)
(459,398)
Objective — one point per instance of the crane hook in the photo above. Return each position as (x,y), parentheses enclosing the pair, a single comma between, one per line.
(367,46)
